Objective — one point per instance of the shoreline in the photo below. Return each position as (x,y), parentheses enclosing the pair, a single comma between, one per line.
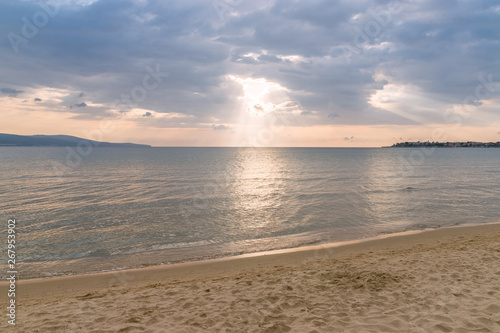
(440,280)
(150,259)
(93,281)
(162,257)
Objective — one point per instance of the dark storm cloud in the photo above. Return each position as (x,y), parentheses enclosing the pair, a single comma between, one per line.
(324,52)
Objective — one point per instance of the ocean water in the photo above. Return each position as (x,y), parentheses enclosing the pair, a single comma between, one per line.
(130,207)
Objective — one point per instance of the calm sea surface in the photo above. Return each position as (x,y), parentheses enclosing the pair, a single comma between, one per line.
(121,207)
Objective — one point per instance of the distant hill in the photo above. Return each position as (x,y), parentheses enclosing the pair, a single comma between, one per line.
(57,141)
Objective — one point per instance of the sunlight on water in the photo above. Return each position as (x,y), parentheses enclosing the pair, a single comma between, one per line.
(258,187)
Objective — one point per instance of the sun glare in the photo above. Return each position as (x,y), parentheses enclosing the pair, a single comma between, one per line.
(260,95)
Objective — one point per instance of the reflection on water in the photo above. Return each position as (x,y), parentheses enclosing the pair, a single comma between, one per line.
(258,187)
(387,184)
(188,203)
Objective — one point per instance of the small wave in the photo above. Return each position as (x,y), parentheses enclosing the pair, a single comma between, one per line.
(158,247)
(410,188)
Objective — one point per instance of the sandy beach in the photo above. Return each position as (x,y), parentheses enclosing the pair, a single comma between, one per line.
(444,280)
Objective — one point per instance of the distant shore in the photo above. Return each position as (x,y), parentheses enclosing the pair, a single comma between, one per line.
(428,144)
(437,280)
(13,140)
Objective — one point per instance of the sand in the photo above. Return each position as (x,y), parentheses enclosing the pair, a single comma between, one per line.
(444,280)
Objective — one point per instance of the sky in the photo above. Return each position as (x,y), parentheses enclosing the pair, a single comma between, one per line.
(313,73)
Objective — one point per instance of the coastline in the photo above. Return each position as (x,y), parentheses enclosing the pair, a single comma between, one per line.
(463,258)
(289,255)
(190,254)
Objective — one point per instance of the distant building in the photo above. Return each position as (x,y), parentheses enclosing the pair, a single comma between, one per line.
(468,144)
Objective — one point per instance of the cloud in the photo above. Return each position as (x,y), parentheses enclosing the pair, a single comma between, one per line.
(258,108)
(37,99)
(269,58)
(425,59)
(220,127)
(10,91)
(78,105)
(147,114)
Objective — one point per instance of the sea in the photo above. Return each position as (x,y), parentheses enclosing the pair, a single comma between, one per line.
(110,209)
